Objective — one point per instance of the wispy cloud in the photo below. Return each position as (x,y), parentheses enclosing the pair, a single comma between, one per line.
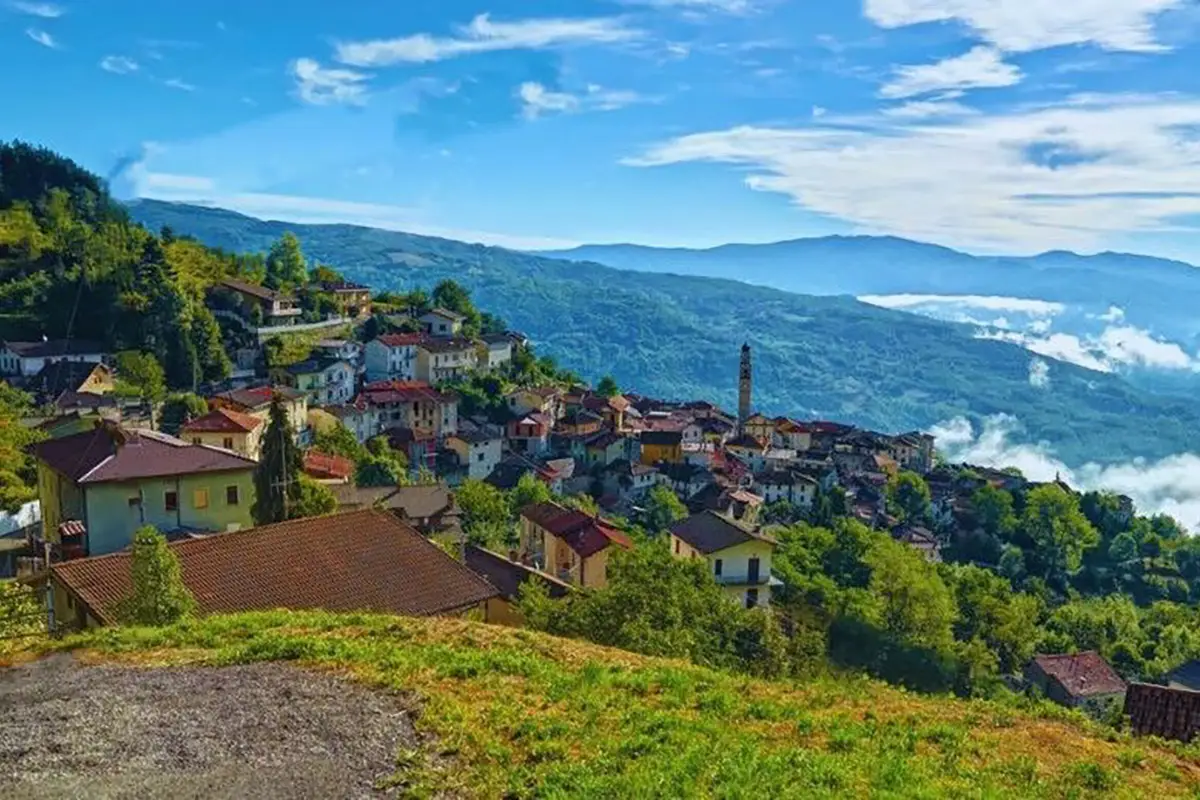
(176,83)
(43,10)
(723,6)
(119,65)
(928,109)
(320,86)
(1067,176)
(42,38)
(1115,347)
(482,35)
(1169,486)
(1039,373)
(981,67)
(537,100)
(1022,26)
(1012,305)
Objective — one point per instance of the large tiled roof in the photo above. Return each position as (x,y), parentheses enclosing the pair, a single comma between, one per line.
(709,532)
(63,376)
(55,348)
(404,392)
(1082,674)
(445,313)
(662,437)
(401,339)
(584,534)
(507,576)
(223,420)
(258,396)
(325,466)
(359,561)
(108,454)
(456,345)
(253,289)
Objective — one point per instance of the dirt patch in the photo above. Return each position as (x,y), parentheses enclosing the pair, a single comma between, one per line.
(263,731)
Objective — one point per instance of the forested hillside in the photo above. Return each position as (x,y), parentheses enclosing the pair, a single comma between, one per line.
(678,337)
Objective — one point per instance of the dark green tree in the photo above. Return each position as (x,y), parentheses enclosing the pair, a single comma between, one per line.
(663,508)
(908,497)
(608,387)
(159,596)
(277,479)
(286,266)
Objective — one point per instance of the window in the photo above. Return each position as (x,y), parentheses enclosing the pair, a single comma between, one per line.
(676,547)
(196,440)
(481,457)
(751,598)
(135,501)
(228,443)
(717,567)
(200,498)
(171,501)
(232,497)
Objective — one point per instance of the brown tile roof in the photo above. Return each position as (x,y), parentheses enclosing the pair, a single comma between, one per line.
(1081,674)
(223,420)
(256,397)
(709,532)
(254,290)
(584,534)
(445,313)
(358,561)
(109,453)
(402,339)
(415,502)
(327,467)
(404,392)
(507,576)
(446,345)
(56,347)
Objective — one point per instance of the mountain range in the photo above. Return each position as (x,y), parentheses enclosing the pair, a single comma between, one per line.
(678,336)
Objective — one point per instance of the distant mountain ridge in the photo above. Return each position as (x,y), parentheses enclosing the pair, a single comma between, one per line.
(678,337)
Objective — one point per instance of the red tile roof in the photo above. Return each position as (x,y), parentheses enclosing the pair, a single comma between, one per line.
(1081,674)
(223,420)
(254,397)
(359,561)
(584,534)
(324,466)
(254,290)
(402,339)
(404,392)
(108,453)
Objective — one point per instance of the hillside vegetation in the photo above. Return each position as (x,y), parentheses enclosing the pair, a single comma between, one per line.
(512,713)
(678,337)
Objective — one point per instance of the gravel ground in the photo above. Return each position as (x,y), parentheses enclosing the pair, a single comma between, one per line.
(261,731)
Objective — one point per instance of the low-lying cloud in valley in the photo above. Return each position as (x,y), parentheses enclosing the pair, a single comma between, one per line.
(1169,486)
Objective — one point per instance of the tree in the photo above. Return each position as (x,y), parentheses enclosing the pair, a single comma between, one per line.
(277,478)
(324,274)
(159,596)
(316,500)
(181,408)
(338,440)
(140,375)
(380,465)
(210,349)
(662,509)
(448,294)
(607,387)
(914,605)
(286,267)
(908,497)
(994,510)
(18,473)
(529,490)
(1060,531)
(485,511)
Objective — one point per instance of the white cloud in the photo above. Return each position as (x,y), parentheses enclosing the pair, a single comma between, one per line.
(1026,25)
(1169,486)
(43,10)
(1017,305)
(1108,351)
(1114,314)
(1039,373)
(176,83)
(981,67)
(1039,179)
(725,6)
(818,112)
(121,65)
(483,35)
(320,86)
(539,100)
(928,109)
(42,38)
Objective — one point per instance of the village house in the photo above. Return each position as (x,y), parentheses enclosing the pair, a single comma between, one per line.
(76,377)
(734,502)
(431,509)
(327,468)
(445,359)
(746,449)
(791,486)
(611,409)
(392,356)
(479,450)
(353,300)
(662,447)
(508,576)
(96,488)
(256,401)
(684,479)
(530,433)
(760,427)
(346,350)
(913,451)
(546,400)
(414,405)
(301,564)
(26,359)
(920,539)
(360,418)
(568,544)
(442,323)
(326,381)
(629,480)
(513,467)
(738,556)
(791,435)
(1080,680)
(229,430)
(579,422)
(716,430)
(608,446)
(495,350)
(254,304)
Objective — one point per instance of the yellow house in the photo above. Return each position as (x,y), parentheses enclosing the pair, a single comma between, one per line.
(569,545)
(760,427)
(256,401)
(738,556)
(227,429)
(660,446)
(508,576)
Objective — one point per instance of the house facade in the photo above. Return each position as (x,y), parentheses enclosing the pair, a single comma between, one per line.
(495,351)
(26,359)
(442,323)
(256,401)
(1077,680)
(392,356)
(569,545)
(529,434)
(97,488)
(793,487)
(738,556)
(229,430)
(446,359)
(414,405)
(254,303)
(479,451)
(326,381)
(353,299)
(662,447)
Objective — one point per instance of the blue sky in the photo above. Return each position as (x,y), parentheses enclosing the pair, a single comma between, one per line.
(990,125)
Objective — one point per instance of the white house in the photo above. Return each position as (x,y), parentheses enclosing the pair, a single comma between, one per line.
(392,356)
(479,449)
(795,487)
(499,350)
(363,419)
(343,349)
(444,359)
(29,358)
(442,322)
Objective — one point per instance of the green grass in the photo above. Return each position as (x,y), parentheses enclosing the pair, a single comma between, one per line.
(520,714)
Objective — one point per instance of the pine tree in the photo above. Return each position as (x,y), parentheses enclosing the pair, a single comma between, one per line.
(159,596)
(277,479)
(286,267)
(210,350)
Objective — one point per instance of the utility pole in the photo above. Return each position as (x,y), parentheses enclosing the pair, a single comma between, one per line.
(284,481)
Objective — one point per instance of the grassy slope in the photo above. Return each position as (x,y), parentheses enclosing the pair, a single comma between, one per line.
(517,713)
(679,337)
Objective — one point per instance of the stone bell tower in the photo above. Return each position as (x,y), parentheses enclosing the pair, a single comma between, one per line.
(745,389)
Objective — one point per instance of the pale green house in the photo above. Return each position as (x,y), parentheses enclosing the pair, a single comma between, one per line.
(98,487)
